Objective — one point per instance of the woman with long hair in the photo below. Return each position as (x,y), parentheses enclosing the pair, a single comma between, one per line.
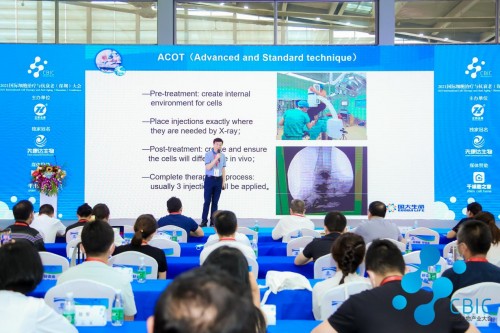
(348,251)
(144,229)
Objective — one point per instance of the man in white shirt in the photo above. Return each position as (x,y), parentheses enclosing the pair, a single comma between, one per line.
(97,243)
(225,227)
(242,238)
(295,221)
(47,225)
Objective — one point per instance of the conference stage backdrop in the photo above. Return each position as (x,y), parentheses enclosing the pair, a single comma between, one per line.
(409,125)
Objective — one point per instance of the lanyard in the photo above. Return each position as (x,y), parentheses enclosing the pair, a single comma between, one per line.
(476,260)
(391,279)
(96,259)
(227,239)
(24,224)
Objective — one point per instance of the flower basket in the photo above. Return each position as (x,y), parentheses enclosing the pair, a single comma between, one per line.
(48,179)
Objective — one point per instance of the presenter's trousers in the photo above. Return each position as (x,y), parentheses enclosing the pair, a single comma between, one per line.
(212,190)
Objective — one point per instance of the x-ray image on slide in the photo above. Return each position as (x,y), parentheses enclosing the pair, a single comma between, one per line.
(321,106)
(325,178)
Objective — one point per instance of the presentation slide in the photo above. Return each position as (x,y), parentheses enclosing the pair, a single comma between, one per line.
(337,127)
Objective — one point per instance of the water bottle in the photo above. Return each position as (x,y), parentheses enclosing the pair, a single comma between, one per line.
(409,247)
(255,247)
(432,273)
(299,233)
(141,272)
(424,275)
(174,235)
(256,226)
(450,260)
(69,308)
(117,314)
(415,224)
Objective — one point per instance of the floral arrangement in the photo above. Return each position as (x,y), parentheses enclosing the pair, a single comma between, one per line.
(48,179)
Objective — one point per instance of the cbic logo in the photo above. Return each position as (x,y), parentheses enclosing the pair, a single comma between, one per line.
(37,67)
(442,287)
(474,67)
(40,109)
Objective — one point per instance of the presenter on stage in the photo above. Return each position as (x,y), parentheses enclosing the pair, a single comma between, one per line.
(215,180)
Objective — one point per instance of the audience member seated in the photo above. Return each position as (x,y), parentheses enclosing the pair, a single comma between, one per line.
(473,241)
(232,261)
(205,300)
(97,243)
(214,238)
(47,225)
(175,218)
(377,226)
(145,227)
(101,212)
(348,251)
(472,209)
(493,255)
(295,221)
(21,272)
(21,230)
(225,227)
(334,224)
(373,310)
(84,214)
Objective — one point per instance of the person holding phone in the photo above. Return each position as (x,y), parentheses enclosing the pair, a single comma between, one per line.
(215,180)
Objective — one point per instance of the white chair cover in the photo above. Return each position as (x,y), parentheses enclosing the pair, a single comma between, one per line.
(325,267)
(333,298)
(132,259)
(295,246)
(171,248)
(422,235)
(182,236)
(85,291)
(53,265)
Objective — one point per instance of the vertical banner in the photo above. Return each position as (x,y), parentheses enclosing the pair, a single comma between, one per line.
(467,138)
(42,121)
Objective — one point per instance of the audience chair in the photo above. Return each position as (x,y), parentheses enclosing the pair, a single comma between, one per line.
(295,246)
(447,248)
(401,246)
(73,234)
(128,229)
(132,259)
(333,298)
(53,265)
(182,236)
(412,261)
(251,234)
(305,232)
(325,267)
(489,291)
(71,246)
(422,235)
(85,292)
(171,248)
(253,266)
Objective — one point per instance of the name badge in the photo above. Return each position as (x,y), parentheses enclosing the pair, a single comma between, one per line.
(216,172)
